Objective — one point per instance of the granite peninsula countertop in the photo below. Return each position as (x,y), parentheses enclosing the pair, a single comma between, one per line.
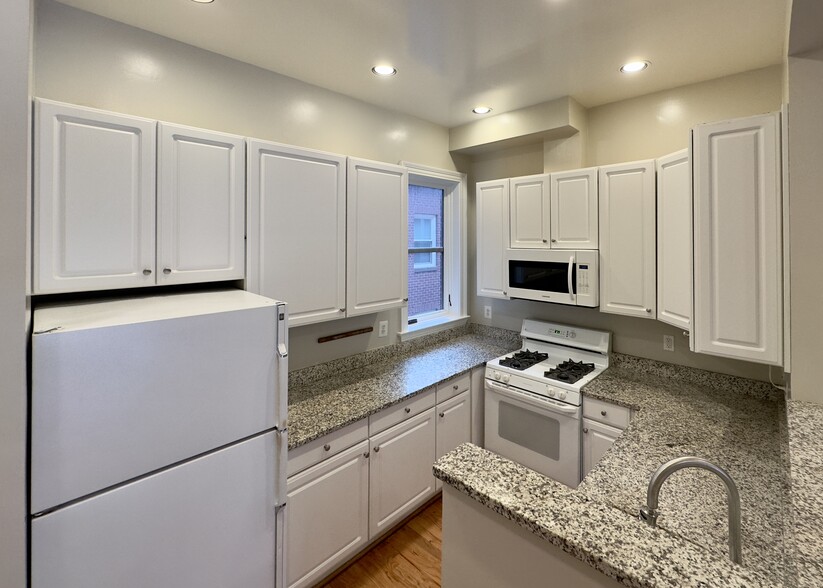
(733,422)
(322,403)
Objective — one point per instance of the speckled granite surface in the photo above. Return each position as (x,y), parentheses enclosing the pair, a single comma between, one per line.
(318,406)
(606,538)
(805,429)
(733,422)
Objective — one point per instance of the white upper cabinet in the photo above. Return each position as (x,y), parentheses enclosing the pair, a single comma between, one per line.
(574,217)
(94,199)
(627,239)
(674,239)
(377,237)
(737,239)
(529,209)
(297,229)
(492,237)
(201,205)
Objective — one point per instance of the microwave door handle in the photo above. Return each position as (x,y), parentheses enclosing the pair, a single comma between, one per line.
(569,275)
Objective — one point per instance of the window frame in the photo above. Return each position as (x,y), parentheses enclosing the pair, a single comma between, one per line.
(455,196)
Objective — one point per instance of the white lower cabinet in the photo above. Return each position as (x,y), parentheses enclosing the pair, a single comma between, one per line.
(597,438)
(327,515)
(400,473)
(454,425)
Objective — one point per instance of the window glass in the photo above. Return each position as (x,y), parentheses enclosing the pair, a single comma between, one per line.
(426,234)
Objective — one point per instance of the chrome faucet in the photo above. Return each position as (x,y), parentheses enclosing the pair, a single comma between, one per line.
(649,513)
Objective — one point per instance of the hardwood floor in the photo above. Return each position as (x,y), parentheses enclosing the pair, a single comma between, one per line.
(409,557)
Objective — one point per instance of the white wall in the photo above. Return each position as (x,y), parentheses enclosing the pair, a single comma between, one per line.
(806,221)
(14,186)
(644,127)
(86,59)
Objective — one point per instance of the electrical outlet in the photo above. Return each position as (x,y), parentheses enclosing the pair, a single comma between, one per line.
(382,328)
(668,342)
(487,312)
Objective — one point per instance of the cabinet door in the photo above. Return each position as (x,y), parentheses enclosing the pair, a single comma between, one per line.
(492,237)
(574,218)
(454,425)
(400,473)
(297,230)
(674,239)
(529,209)
(377,237)
(627,239)
(327,516)
(737,240)
(201,206)
(94,199)
(597,438)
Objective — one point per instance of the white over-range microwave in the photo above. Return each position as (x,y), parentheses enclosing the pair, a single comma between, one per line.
(561,276)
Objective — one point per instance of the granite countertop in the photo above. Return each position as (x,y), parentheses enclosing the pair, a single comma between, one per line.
(733,422)
(320,406)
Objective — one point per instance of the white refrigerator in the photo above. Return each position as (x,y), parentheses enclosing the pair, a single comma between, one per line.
(158,442)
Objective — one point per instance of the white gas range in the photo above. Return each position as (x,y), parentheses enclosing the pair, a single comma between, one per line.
(533,401)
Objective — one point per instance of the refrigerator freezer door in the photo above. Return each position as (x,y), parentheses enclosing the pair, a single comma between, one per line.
(208,523)
(114,400)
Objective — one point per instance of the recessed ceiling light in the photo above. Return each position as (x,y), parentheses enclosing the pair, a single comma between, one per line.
(383,70)
(203,1)
(634,66)
(481,110)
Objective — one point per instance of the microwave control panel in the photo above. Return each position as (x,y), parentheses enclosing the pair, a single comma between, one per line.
(583,278)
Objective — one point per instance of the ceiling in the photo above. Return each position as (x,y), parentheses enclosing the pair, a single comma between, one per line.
(453,55)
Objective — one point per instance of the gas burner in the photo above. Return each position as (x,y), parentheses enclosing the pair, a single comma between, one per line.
(569,371)
(523,359)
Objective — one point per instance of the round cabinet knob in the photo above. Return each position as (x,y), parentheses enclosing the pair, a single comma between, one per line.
(585,430)
(649,310)
(376,449)
(554,240)
(146,272)
(561,395)
(166,270)
(602,413)
(506,378)
(544,241)
(327,447)
(407,410)
(454,387)
(496,375)
(442,414)
(366,455)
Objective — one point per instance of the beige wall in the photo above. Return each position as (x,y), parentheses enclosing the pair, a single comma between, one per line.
(639,128)
(659,123)
(806,222)
(86,59)
(14,109)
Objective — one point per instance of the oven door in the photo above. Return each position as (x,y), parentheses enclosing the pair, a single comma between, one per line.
(538,432)
(546,276)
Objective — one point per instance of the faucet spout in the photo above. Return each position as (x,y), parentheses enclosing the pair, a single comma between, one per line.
(649,513)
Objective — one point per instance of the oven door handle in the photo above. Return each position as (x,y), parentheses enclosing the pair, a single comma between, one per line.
(569,275)
(543,403)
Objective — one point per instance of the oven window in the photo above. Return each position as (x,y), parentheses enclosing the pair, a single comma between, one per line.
(529,429)
(544,276)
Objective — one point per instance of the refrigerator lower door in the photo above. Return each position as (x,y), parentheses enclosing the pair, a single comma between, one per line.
(207,523)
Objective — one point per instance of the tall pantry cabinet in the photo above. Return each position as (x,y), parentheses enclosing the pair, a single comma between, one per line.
(738,302)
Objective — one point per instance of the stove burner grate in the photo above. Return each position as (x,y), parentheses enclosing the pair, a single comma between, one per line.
(569,371)
(523,359)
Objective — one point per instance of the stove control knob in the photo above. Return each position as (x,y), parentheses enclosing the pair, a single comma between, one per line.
(550,391)
(496,375)
(505,378)
(561,395)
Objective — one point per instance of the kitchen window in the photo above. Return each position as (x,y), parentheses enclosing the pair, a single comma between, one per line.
(436,251)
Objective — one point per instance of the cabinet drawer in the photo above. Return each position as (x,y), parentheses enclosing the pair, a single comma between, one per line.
(399,412)
(453,386)
(606,412)
(313,453)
